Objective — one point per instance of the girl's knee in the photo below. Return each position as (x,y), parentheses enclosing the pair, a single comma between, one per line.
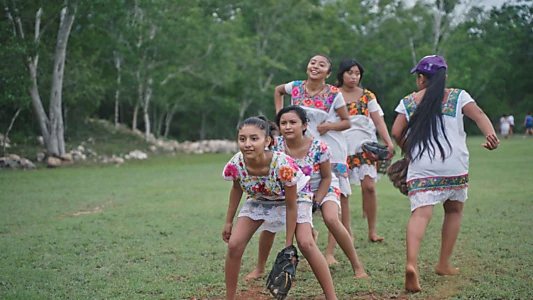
(453,207)
(368,186)
(235,249)
(305,244)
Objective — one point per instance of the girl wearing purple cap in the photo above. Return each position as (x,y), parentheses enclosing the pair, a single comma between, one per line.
(429,129)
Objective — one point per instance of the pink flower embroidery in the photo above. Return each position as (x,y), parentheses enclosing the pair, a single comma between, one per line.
(329,100)
(295,92)
(231,171)
(319,104)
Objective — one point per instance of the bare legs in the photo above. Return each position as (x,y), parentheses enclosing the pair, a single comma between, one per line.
(370,207)
(330,214)
(240,236)
(316,260)
(416,228)
(309,249)
(266,240)
(453,214)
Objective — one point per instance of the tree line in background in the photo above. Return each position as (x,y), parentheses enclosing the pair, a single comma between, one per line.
(192,69)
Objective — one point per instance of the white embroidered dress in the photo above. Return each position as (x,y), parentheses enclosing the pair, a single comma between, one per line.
(322,108)
(317,154)
(362,130)
(434,181)
(265,198)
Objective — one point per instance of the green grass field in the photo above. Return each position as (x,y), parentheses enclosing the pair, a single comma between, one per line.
(152,229)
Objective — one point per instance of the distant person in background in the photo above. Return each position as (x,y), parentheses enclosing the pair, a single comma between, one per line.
(510,118)
(528,124)
(429,128)
(505,126)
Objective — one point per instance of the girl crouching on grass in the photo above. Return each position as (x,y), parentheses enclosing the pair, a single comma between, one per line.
(313,158)
(429,128)
(277,197)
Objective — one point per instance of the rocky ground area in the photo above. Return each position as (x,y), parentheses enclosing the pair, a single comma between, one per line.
(84,151)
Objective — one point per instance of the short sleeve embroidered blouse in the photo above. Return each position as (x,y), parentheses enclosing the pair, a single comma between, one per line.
(283,171)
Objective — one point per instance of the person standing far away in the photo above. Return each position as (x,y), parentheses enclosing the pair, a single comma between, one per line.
(510,118)
(328,117)
(429,128)
(365,117)
(528,124)
(505,126)
(278,197)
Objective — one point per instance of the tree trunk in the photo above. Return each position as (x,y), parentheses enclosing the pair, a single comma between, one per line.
(168,120)
(6,133)
(36,102)
(56,145)
(159,123)
(118,60)
(135,113)
(146,106)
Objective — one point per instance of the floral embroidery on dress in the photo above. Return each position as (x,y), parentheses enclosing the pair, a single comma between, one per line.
(340,169)
(360,107)
(437,183)
(449,106)
(357,160)
(323,102)
(310,164)
(283,171)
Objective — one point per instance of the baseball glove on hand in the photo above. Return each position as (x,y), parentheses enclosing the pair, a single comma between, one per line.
(280,279)
(397,173)
(379,154)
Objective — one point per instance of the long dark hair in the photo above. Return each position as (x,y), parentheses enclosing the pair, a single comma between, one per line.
(345,66)
(262,123)
(426,123)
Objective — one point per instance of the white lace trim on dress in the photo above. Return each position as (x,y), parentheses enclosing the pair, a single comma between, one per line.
(435,197)
(358,174)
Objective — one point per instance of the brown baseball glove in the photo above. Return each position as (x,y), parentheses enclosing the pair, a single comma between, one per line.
(397,173)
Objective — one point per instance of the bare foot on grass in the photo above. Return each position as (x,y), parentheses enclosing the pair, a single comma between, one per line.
(374,238)
(446,270)
(411,280)
(331,260)
(360,273)
(256,273)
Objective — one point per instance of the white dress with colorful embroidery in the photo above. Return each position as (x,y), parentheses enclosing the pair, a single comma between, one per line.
(310,165)
(265,198)
(434,181)
(362,130)
(322,108)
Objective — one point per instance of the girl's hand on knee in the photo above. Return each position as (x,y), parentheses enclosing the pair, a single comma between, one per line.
(226,232)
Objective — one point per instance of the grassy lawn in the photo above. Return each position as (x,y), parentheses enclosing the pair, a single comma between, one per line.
(152,229)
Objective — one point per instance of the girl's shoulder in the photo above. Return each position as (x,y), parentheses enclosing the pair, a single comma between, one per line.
(333,89)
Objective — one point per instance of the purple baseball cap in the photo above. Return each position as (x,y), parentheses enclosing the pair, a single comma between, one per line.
(430,64)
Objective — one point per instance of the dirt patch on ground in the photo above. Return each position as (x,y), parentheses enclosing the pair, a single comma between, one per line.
(256,291)
(86,212)
(96,209)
